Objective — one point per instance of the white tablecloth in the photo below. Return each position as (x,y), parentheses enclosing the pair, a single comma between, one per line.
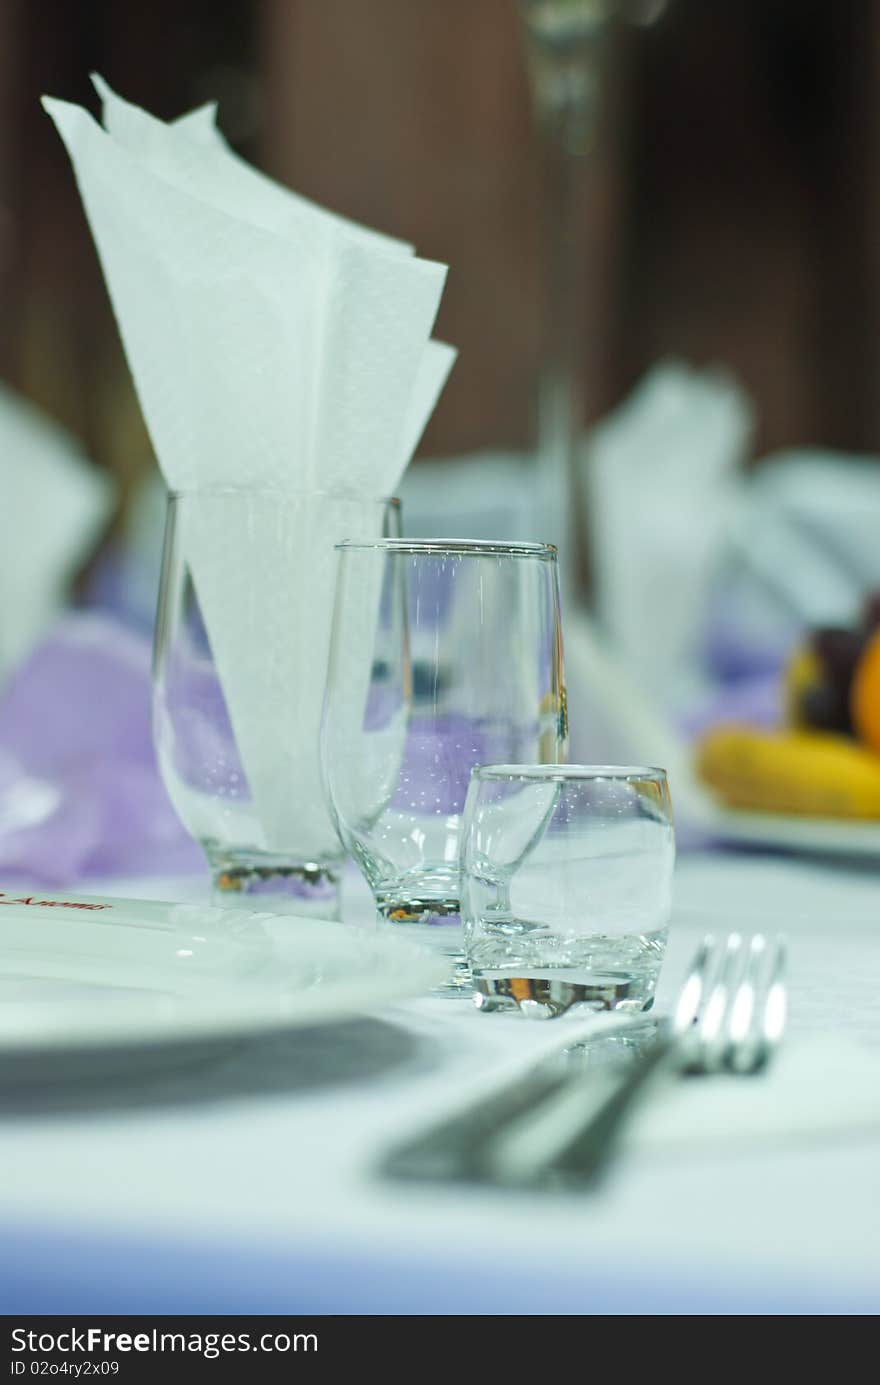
(245,1181)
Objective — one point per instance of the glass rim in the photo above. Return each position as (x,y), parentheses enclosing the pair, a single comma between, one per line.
(572,773)
(478,548)
(276,493)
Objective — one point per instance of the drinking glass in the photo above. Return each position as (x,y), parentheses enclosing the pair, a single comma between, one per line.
(566,886)
(444,655)
(240,656)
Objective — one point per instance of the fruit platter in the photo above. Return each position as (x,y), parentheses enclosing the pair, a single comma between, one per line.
(812,783)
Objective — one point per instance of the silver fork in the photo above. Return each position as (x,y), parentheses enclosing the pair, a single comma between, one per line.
(729,1015)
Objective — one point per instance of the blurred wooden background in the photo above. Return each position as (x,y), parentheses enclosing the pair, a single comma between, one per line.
(734,194)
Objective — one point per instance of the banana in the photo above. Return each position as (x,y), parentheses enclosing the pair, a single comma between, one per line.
(791,771)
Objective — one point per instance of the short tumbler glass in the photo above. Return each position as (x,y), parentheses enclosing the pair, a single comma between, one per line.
(444,655)
(566,886)
(240,658)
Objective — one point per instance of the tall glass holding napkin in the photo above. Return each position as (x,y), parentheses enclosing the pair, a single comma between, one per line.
(275,347)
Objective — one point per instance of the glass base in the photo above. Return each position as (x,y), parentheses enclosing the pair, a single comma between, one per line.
(549,993)
(256,880)
(433,924)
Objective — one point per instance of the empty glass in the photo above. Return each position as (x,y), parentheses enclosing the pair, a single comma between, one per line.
(240,658)
(444,656)
(566,886)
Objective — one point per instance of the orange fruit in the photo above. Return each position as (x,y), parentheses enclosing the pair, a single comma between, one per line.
(865,694)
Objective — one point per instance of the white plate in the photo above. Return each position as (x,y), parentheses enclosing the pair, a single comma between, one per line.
(826,836)
(101,974)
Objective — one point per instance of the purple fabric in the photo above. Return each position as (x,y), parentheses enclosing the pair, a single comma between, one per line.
(733,648)
(119,586)
(203,746)
(756,701)
(76,717)
(442,750)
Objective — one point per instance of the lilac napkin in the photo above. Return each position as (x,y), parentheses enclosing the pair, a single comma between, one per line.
(80,792)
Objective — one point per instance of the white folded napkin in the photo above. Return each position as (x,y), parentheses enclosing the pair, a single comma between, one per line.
(274,346)
(55,505)
(299,339)
(660,477)
(802,550)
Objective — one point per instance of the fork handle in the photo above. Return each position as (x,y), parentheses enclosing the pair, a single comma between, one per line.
(582,1160)
(457,1148)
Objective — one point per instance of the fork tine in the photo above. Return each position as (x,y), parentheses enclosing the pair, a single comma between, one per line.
(730,1012)
(742,1014)
(712,1028)
(693,989)
(759,1018)
(775,1003)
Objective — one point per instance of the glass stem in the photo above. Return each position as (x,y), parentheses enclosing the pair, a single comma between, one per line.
(560,389)
(566,46)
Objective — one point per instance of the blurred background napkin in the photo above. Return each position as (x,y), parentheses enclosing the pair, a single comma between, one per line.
(800,551)
(55,506)
(660,477)
(274,346)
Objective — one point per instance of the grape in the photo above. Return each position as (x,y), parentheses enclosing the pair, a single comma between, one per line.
(825,707)
(838,650)
(871,612)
